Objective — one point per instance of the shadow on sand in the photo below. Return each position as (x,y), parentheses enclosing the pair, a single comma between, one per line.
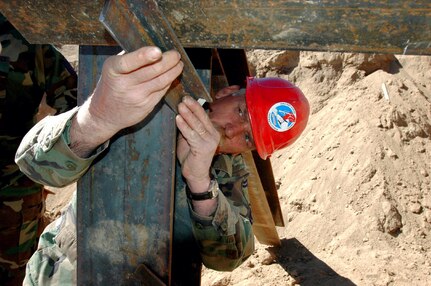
(306,268)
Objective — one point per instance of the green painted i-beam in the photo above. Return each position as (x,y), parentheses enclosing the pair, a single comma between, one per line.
(125,200)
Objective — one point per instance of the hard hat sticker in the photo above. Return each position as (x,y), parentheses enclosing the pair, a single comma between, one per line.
(281,116)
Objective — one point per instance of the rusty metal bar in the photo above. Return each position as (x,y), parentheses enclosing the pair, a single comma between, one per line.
(266,176)
(396,26)
(136,23)
(263,223)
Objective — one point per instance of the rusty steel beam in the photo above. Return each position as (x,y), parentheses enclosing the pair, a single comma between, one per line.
(263,222)
(396,26)
(58,22)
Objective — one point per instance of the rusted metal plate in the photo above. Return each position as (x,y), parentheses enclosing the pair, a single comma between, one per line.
(58,22)
(340,25)
(266,175)
(263,224)
(133,25)
(125,200)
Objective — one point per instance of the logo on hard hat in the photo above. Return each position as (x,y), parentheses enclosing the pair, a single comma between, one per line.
(281,116)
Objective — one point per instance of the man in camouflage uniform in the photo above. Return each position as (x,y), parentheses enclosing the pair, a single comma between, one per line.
(28,73)
(223,230)
(213,206)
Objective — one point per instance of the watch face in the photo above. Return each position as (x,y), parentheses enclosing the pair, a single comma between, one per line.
(214,191)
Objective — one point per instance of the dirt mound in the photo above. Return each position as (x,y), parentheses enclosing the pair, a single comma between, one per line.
(355,189)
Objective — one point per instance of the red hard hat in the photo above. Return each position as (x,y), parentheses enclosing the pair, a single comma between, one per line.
(278,112)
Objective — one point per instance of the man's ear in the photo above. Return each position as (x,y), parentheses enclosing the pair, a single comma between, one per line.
(227,91)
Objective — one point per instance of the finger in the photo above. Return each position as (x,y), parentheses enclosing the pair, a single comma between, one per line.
(183,126)
(163,81)
(167,62)
(180,136)
(134,60)
(196,116)
(157,96)
(188,132)
(182,148)
(191,120)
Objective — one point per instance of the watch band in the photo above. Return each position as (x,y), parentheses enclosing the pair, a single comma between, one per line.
(208,195)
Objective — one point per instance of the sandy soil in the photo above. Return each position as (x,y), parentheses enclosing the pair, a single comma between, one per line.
(355,189)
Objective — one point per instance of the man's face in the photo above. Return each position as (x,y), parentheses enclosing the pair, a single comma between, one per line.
(229,115)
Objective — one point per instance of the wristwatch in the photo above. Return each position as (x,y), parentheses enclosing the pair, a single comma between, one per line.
(208,195)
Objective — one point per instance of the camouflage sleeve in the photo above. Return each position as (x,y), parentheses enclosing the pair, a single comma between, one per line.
(54,262)
(226,239)
(44,154)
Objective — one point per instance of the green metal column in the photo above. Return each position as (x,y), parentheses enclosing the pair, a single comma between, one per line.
(126,198)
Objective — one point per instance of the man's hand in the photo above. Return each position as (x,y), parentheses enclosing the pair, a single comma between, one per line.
(196,147)
(197,142)
(128,90)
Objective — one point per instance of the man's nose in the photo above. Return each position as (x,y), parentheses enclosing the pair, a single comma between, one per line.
(232,130)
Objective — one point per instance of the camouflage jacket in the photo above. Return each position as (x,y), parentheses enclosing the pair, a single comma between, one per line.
(27,72)
(224,240)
